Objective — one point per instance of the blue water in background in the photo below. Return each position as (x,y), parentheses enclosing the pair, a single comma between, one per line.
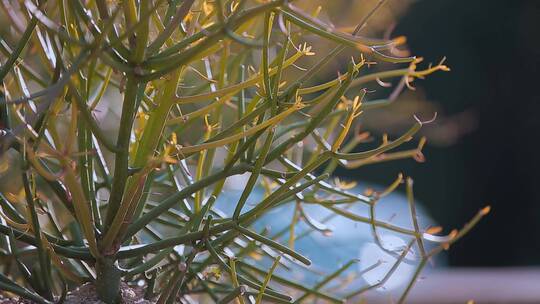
(347,239)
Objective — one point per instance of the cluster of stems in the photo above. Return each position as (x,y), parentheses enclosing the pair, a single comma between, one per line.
(204,95)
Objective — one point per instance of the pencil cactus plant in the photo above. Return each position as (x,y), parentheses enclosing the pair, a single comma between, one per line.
(205,94)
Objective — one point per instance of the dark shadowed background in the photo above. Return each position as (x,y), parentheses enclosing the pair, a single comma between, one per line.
(483,147)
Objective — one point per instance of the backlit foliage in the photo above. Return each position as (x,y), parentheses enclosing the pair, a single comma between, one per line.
(204,93)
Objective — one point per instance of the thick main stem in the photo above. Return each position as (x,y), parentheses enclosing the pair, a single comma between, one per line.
(108,280)
(108,274)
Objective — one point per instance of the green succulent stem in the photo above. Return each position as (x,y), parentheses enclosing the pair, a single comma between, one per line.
(121,162)
(108,282)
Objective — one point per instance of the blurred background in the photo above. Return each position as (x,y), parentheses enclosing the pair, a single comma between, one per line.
(486,150)
(482,147)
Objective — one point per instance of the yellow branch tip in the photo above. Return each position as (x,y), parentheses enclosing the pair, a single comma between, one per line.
(485,210)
